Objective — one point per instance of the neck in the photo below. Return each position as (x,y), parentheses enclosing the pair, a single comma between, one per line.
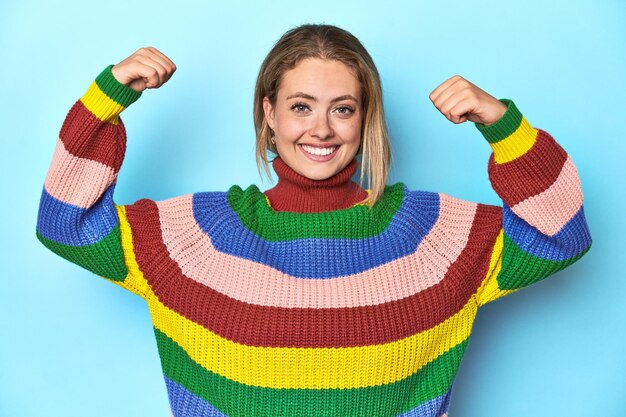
(297,193)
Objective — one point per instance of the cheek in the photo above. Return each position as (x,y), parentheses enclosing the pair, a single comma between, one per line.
(351,132)
(287,128)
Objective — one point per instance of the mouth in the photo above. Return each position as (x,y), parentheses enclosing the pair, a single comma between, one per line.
(319,153)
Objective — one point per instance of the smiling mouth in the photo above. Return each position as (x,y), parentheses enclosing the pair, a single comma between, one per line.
(319,151)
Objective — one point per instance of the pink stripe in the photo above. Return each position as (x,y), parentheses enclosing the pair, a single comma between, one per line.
(550,210)
(75,180)
(255,283)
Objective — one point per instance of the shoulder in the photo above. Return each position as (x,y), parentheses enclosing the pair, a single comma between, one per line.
(200,204)
(440,214)
(243,197)
(422,205)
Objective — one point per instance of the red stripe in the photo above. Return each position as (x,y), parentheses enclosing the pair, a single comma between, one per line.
(531,173)
(86,136)
(308,327)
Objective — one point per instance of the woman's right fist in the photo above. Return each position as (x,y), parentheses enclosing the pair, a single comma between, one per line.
(146,68)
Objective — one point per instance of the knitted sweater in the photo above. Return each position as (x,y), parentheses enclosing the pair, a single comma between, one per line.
(360,311)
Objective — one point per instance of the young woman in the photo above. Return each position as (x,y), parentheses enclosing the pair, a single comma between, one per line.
(317,297)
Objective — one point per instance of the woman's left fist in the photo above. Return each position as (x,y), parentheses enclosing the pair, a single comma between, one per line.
(460,100)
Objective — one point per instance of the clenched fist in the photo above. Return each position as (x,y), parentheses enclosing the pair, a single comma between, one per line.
(146,68)
(460,100)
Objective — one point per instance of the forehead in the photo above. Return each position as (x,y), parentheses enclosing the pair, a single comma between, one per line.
(320,78)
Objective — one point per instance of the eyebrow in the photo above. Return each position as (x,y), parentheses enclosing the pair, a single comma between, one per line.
(300,94)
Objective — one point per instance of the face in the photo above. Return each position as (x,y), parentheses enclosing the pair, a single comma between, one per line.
(317,117)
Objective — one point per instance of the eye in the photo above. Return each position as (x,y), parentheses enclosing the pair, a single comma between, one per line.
(344,110)
(299,107)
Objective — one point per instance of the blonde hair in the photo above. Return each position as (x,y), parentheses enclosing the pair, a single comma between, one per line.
(332,43)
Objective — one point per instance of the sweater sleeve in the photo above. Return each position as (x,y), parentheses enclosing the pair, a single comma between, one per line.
(77,217)
(543,222)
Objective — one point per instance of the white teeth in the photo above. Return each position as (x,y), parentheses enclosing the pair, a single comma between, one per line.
(319,151)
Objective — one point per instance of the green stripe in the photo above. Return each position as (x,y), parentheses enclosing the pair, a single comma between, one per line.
(118,92)
(503,128)
(356,222)
(233,398)
(104,258)
(519,268)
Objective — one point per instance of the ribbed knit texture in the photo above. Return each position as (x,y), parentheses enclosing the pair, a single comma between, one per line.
(277,305)
(297,193)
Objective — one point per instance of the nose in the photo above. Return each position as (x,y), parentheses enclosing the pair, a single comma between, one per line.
(322,128)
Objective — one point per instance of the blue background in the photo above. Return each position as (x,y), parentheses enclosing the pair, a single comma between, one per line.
(73,344)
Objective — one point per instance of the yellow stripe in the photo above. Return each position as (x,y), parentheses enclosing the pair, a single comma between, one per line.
(307,368)
(516,144)
(489,289)
(280,367)
(134,281)
(101,105)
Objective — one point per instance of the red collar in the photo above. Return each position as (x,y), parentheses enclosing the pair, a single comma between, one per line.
(297,193)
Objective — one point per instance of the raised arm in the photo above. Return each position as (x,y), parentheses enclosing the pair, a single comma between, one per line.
(543,223)
(77,218)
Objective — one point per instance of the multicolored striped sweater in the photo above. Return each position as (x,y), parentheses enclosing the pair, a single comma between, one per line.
(362,311)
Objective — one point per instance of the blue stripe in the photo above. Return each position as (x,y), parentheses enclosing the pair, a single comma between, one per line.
(186,404)
(75,226)
(431,408)
(318,257)
(570,241)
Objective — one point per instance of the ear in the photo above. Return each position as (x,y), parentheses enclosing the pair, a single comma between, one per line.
(268,109)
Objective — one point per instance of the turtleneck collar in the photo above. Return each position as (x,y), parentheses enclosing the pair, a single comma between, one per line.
(297,193)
